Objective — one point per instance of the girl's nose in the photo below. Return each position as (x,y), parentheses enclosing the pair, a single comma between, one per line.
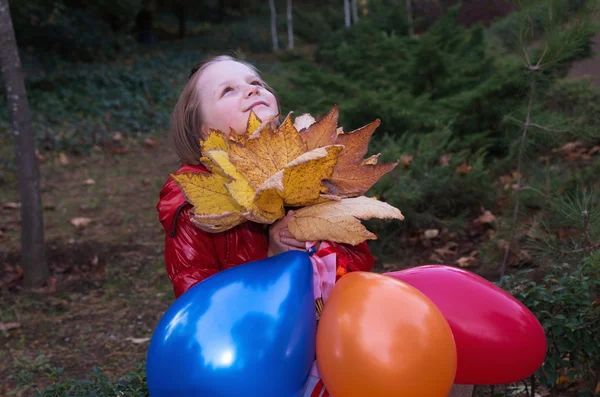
(251,90)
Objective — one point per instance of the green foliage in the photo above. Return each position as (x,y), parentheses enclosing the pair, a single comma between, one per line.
(77,106)
(96,384)
(565,303)
(75,31)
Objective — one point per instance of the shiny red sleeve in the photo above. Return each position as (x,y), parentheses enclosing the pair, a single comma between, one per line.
(350,257)
(190,254)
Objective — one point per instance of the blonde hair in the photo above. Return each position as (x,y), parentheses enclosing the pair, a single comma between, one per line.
(186,119)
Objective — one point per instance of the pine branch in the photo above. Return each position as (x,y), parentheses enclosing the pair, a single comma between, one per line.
(535,125)
(518,190)
(585,250)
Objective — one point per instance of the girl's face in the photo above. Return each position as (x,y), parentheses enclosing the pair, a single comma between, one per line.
(229,91)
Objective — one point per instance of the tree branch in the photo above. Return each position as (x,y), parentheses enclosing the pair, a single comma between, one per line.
(519,164)
(535,125)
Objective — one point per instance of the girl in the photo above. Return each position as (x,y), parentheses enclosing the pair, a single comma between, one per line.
(219,94)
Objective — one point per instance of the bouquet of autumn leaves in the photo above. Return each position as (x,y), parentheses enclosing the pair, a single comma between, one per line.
(309,165)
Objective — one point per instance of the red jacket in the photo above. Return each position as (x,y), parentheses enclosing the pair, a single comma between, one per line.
(191,254)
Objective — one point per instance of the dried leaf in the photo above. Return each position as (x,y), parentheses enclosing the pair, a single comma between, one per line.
(207,193)
(253,176)
(9,326)
(304,121)
(302,177)
(445,160)
(80,222)
(120,150)
(354,180)
(40,157)
(11,205)
(466,261)
(339,221)
(487,217)
(89,181)
(63,159)
(323,132)
(151,143)
(261,157)
(406,159)
(356,143)
(117,137)
(138,340)
(431,233)
(463,169)
(371,160)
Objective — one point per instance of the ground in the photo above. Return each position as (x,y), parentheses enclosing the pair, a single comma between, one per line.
(110,286)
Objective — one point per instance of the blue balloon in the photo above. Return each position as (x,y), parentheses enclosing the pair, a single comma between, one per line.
(246,331)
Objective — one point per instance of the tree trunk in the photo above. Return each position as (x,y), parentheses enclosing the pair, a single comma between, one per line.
(34,264)
(354,11)
(347,12)
(181,19)
(274,25)
(409,17)
(290,25)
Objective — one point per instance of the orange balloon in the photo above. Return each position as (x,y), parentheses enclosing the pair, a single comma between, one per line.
(381,337)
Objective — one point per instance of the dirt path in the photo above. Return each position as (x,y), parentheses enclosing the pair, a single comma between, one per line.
(111,284)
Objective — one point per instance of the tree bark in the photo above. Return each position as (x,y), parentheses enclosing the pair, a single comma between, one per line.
(290,25)
(181,19)
(354,11)
(409,17)
(33,258)
(347,13)
(274,25)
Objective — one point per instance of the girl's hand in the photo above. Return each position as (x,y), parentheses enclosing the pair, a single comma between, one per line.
(280,238)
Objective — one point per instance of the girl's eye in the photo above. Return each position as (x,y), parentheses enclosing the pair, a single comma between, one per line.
(257,82)
(226,90)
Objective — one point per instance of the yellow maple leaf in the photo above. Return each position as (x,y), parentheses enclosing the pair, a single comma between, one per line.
(262,156)
(254,176)
(213,205)
(339,221)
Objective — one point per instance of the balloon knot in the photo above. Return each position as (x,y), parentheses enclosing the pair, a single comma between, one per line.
(311,251)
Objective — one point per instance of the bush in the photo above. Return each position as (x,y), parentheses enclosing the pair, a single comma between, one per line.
(567,303)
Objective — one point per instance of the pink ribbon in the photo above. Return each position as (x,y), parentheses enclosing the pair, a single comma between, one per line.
(323,270)
(324,273)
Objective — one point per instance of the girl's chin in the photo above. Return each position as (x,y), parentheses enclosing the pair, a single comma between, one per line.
(264,112)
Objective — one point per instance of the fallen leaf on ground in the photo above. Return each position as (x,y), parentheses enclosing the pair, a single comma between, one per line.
(120,150)
(569,147)
(151,143)
(406,159)
(138,340)
(445,160)
(466,261)
(11,205)
(431,233)
(117,136)
(487,217)
(63,159)
(9,326)
(464,169)
(80,222)
(89,181)
(40,157)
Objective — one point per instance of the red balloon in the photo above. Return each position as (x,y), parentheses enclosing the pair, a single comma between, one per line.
(498,340)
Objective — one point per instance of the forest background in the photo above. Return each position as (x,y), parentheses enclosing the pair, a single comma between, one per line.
(491,107)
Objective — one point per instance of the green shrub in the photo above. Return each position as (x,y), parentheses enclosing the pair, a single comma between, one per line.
(566,303)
